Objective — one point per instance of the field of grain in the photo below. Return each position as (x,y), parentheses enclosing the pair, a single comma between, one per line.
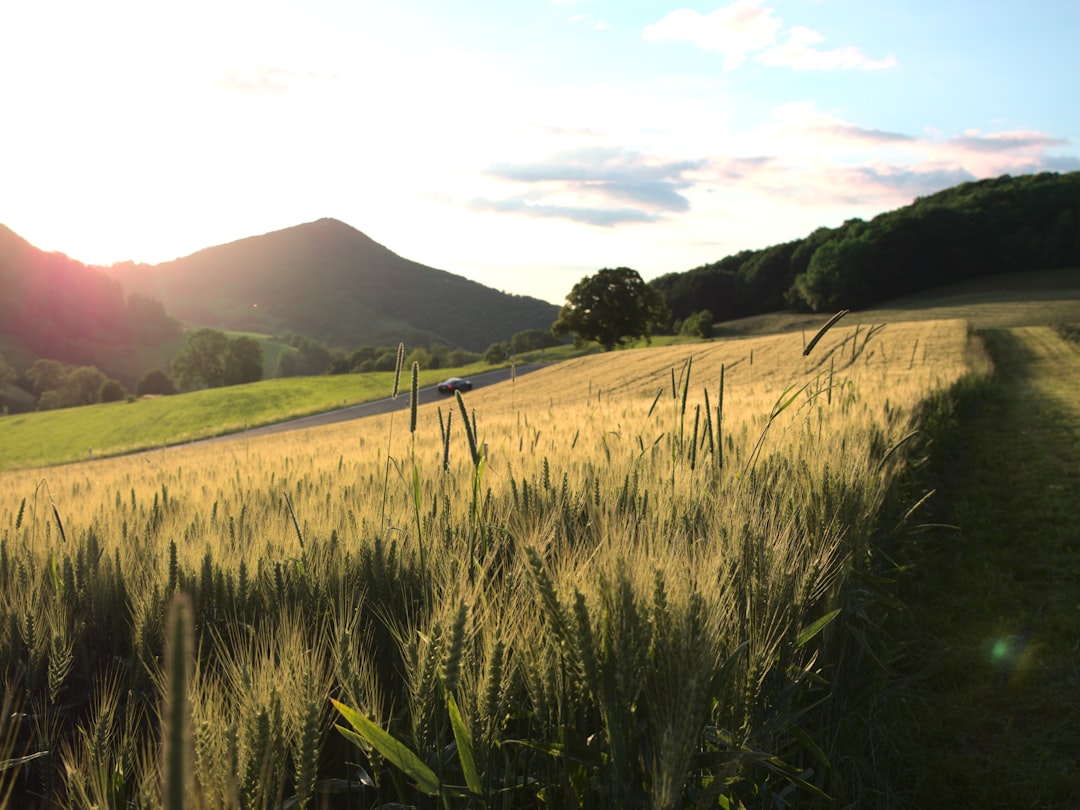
(626,580)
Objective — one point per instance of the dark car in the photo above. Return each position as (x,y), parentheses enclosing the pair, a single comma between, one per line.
(454,384)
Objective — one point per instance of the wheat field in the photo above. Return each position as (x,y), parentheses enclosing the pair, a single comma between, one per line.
(626,580)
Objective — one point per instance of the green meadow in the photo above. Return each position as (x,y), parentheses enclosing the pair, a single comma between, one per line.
(75,434)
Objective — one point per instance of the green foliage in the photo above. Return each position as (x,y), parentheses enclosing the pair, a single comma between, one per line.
(155,383)
(112,391)
(698,324)
(62,386)
(1006,224)
(201,363)
(497,353)
(532,340)
(84,385)
(55,307)
(315,357)
(46,375)
(243,361)
(611,306)
(211,359)
(39,439)
(7,373)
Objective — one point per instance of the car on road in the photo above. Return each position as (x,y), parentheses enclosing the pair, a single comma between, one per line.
(454,384)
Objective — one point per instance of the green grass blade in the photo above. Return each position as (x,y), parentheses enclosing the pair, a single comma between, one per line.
(808,633)
(397,753)
(464,746)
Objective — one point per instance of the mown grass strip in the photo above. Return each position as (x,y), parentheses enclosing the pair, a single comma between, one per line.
(986,718)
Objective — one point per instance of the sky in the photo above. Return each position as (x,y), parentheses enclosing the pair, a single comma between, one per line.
(521,143)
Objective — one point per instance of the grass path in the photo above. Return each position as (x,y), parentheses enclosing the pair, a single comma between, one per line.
(992,718)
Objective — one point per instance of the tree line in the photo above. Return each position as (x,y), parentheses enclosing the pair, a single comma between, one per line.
(1002,225)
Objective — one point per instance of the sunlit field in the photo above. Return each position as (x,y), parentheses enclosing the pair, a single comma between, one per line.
(627,580)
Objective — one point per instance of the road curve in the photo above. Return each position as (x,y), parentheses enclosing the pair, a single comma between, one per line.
(374,408)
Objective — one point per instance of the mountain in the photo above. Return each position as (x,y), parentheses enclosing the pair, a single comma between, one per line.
(56,307)
(329,281)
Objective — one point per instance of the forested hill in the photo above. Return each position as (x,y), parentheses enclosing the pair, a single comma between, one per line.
(329,281)
(56,307)
(1007,224)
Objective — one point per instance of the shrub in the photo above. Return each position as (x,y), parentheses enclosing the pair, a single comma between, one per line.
(155,383)
(112,391)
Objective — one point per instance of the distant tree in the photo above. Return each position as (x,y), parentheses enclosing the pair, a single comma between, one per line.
(149,321)
(52,400)
(698,324)
(243,361)
(202,361)
(419,355)
(532,340)
(7,373)
(316,356)
(440,356)
(112,391)
(497,353)
(385,361)
(303,357)
(339,363)
(611,306)
(365,354)
(83,386)
(155,383)
(290,363)
(47,375)
(460,357)
(839,275)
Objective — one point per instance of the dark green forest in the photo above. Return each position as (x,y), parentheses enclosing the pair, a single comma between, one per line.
(1003,225)
(55,307)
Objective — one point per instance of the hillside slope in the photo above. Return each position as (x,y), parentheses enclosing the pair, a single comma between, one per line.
(329,281)
(56,307)
(1002,225)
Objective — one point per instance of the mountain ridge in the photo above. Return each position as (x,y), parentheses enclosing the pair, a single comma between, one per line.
(330,281)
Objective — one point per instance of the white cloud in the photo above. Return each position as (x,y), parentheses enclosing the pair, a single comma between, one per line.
(747,28)
(736,31)
(800,53)
(589,21)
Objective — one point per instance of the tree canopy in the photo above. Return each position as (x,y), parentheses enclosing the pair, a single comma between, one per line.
(1001,225)
(212,359)
(7,373)
(610,306)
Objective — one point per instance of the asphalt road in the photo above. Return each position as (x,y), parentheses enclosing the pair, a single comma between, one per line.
(379,406)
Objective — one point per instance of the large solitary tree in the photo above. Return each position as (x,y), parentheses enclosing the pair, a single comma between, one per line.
(610,306)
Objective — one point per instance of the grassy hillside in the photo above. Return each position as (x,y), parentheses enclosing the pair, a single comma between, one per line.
(72,434)
(999,301)
(329,281)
